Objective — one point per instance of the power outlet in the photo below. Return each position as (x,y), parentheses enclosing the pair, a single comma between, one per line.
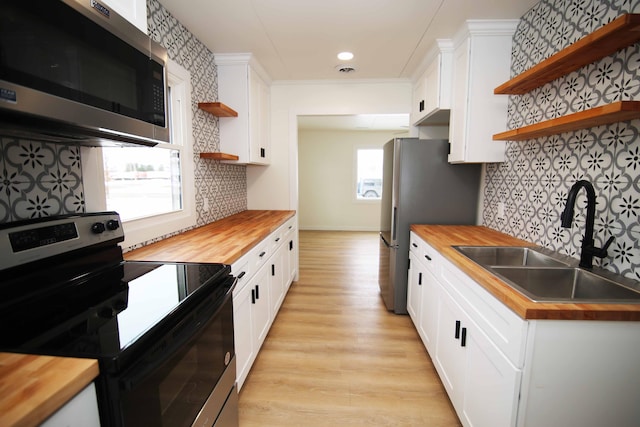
(501,213)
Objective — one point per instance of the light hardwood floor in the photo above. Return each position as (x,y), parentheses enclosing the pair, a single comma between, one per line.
(335,356)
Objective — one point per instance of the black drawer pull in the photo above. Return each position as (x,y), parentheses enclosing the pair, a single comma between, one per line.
(420,278)
(428,257)
(463,340)
(241,275)
(277,240)
(457,334)
(414,245)
(262,254)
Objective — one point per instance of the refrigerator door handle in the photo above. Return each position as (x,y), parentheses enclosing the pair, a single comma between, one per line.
(394,224)
(387,244)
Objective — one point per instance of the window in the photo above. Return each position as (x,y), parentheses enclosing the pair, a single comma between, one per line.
(147,186)
(368,173)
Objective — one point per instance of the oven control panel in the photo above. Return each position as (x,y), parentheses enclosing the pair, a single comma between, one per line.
(26,241)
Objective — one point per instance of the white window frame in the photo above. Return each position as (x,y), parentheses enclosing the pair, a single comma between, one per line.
(140,230)
(354,191)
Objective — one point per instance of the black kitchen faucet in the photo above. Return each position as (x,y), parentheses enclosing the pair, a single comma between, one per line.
(588,250)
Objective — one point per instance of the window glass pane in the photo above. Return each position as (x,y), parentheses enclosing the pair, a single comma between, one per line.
(142,181)
(369,175)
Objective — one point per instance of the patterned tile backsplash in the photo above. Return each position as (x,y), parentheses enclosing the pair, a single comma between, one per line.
(534,181)
(40,179)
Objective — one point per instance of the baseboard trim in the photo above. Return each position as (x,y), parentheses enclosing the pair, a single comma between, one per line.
(335,228)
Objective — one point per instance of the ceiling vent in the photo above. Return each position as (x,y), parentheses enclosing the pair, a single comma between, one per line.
(344,68)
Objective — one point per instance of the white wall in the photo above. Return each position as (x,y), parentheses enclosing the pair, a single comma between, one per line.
(327,181)
(276,186)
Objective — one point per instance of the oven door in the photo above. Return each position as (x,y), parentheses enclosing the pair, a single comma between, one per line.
(186,378)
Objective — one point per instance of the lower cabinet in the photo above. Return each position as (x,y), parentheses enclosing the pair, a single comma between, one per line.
(481,382)
(264,276)
(501,370)
(81,411)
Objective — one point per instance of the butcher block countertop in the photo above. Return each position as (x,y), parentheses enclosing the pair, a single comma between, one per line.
(32,388)
(442,237)
(223,241)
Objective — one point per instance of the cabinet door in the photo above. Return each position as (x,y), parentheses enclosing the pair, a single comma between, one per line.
(293,257)
(276,281)
(259,100)
(458,119)
(261,309)
(450,355)
(492,383)
(414,290)
(428,327)
(243,332)
(134,11)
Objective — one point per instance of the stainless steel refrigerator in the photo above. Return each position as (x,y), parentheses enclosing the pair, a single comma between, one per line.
(419,187)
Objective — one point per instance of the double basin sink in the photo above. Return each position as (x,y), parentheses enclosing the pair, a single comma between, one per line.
(545,276)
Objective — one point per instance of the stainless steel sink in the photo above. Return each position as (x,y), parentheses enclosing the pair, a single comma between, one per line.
(509,256)
(566,284)
(550,276)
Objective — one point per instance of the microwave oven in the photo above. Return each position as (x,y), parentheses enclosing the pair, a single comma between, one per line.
(74,71)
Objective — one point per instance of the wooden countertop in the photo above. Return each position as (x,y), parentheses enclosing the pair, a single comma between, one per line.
(34,387)
(223,241)
(442,237)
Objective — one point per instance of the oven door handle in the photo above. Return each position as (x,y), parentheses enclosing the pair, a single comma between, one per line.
(167,347)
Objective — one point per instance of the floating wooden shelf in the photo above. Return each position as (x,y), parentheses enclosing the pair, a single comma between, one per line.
(217,109)
(610,113)
(219,156)
(618,34)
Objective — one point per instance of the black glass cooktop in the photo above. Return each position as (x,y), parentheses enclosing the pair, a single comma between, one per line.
(99,312)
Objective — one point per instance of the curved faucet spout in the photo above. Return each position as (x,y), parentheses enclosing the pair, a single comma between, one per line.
(588,250)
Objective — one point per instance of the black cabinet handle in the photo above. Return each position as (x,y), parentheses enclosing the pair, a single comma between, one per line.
(414,245)
(420,278)
(463,339)
(409,264)
(428,257)
(262,254)
(257,291)
(273,269)
(421,106)
(241,275)
(253,296)
(277,240)
(262,152)
(290,245)
(457,334)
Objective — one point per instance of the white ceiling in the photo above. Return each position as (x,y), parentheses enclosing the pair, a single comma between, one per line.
(299,39)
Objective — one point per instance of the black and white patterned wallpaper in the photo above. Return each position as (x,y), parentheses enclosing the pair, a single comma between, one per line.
(534,180)
(40,179)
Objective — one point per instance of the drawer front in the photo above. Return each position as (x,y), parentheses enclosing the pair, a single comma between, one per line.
(505,329)
(430,258)
(415,244)
(260,254)
(241,270)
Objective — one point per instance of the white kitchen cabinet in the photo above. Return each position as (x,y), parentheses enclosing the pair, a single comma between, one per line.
(264,275)
(432,91)
(134,11)
(481,382)
(414,290)
(528,373)
(481,61)
(244,86)
(81,411)
(291,237)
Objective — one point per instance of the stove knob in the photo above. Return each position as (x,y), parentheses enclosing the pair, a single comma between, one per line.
(113,224)
(97,228)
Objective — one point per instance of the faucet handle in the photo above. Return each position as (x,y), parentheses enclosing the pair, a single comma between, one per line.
(602,252)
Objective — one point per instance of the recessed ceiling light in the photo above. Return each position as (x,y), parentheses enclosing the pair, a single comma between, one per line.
(345,56)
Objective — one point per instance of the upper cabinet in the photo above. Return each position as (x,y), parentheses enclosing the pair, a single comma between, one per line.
(134,11)
(244,86)
(432,90)
(618,34)
(481,61)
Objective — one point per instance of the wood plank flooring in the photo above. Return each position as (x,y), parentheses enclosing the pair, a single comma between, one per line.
(335,356)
